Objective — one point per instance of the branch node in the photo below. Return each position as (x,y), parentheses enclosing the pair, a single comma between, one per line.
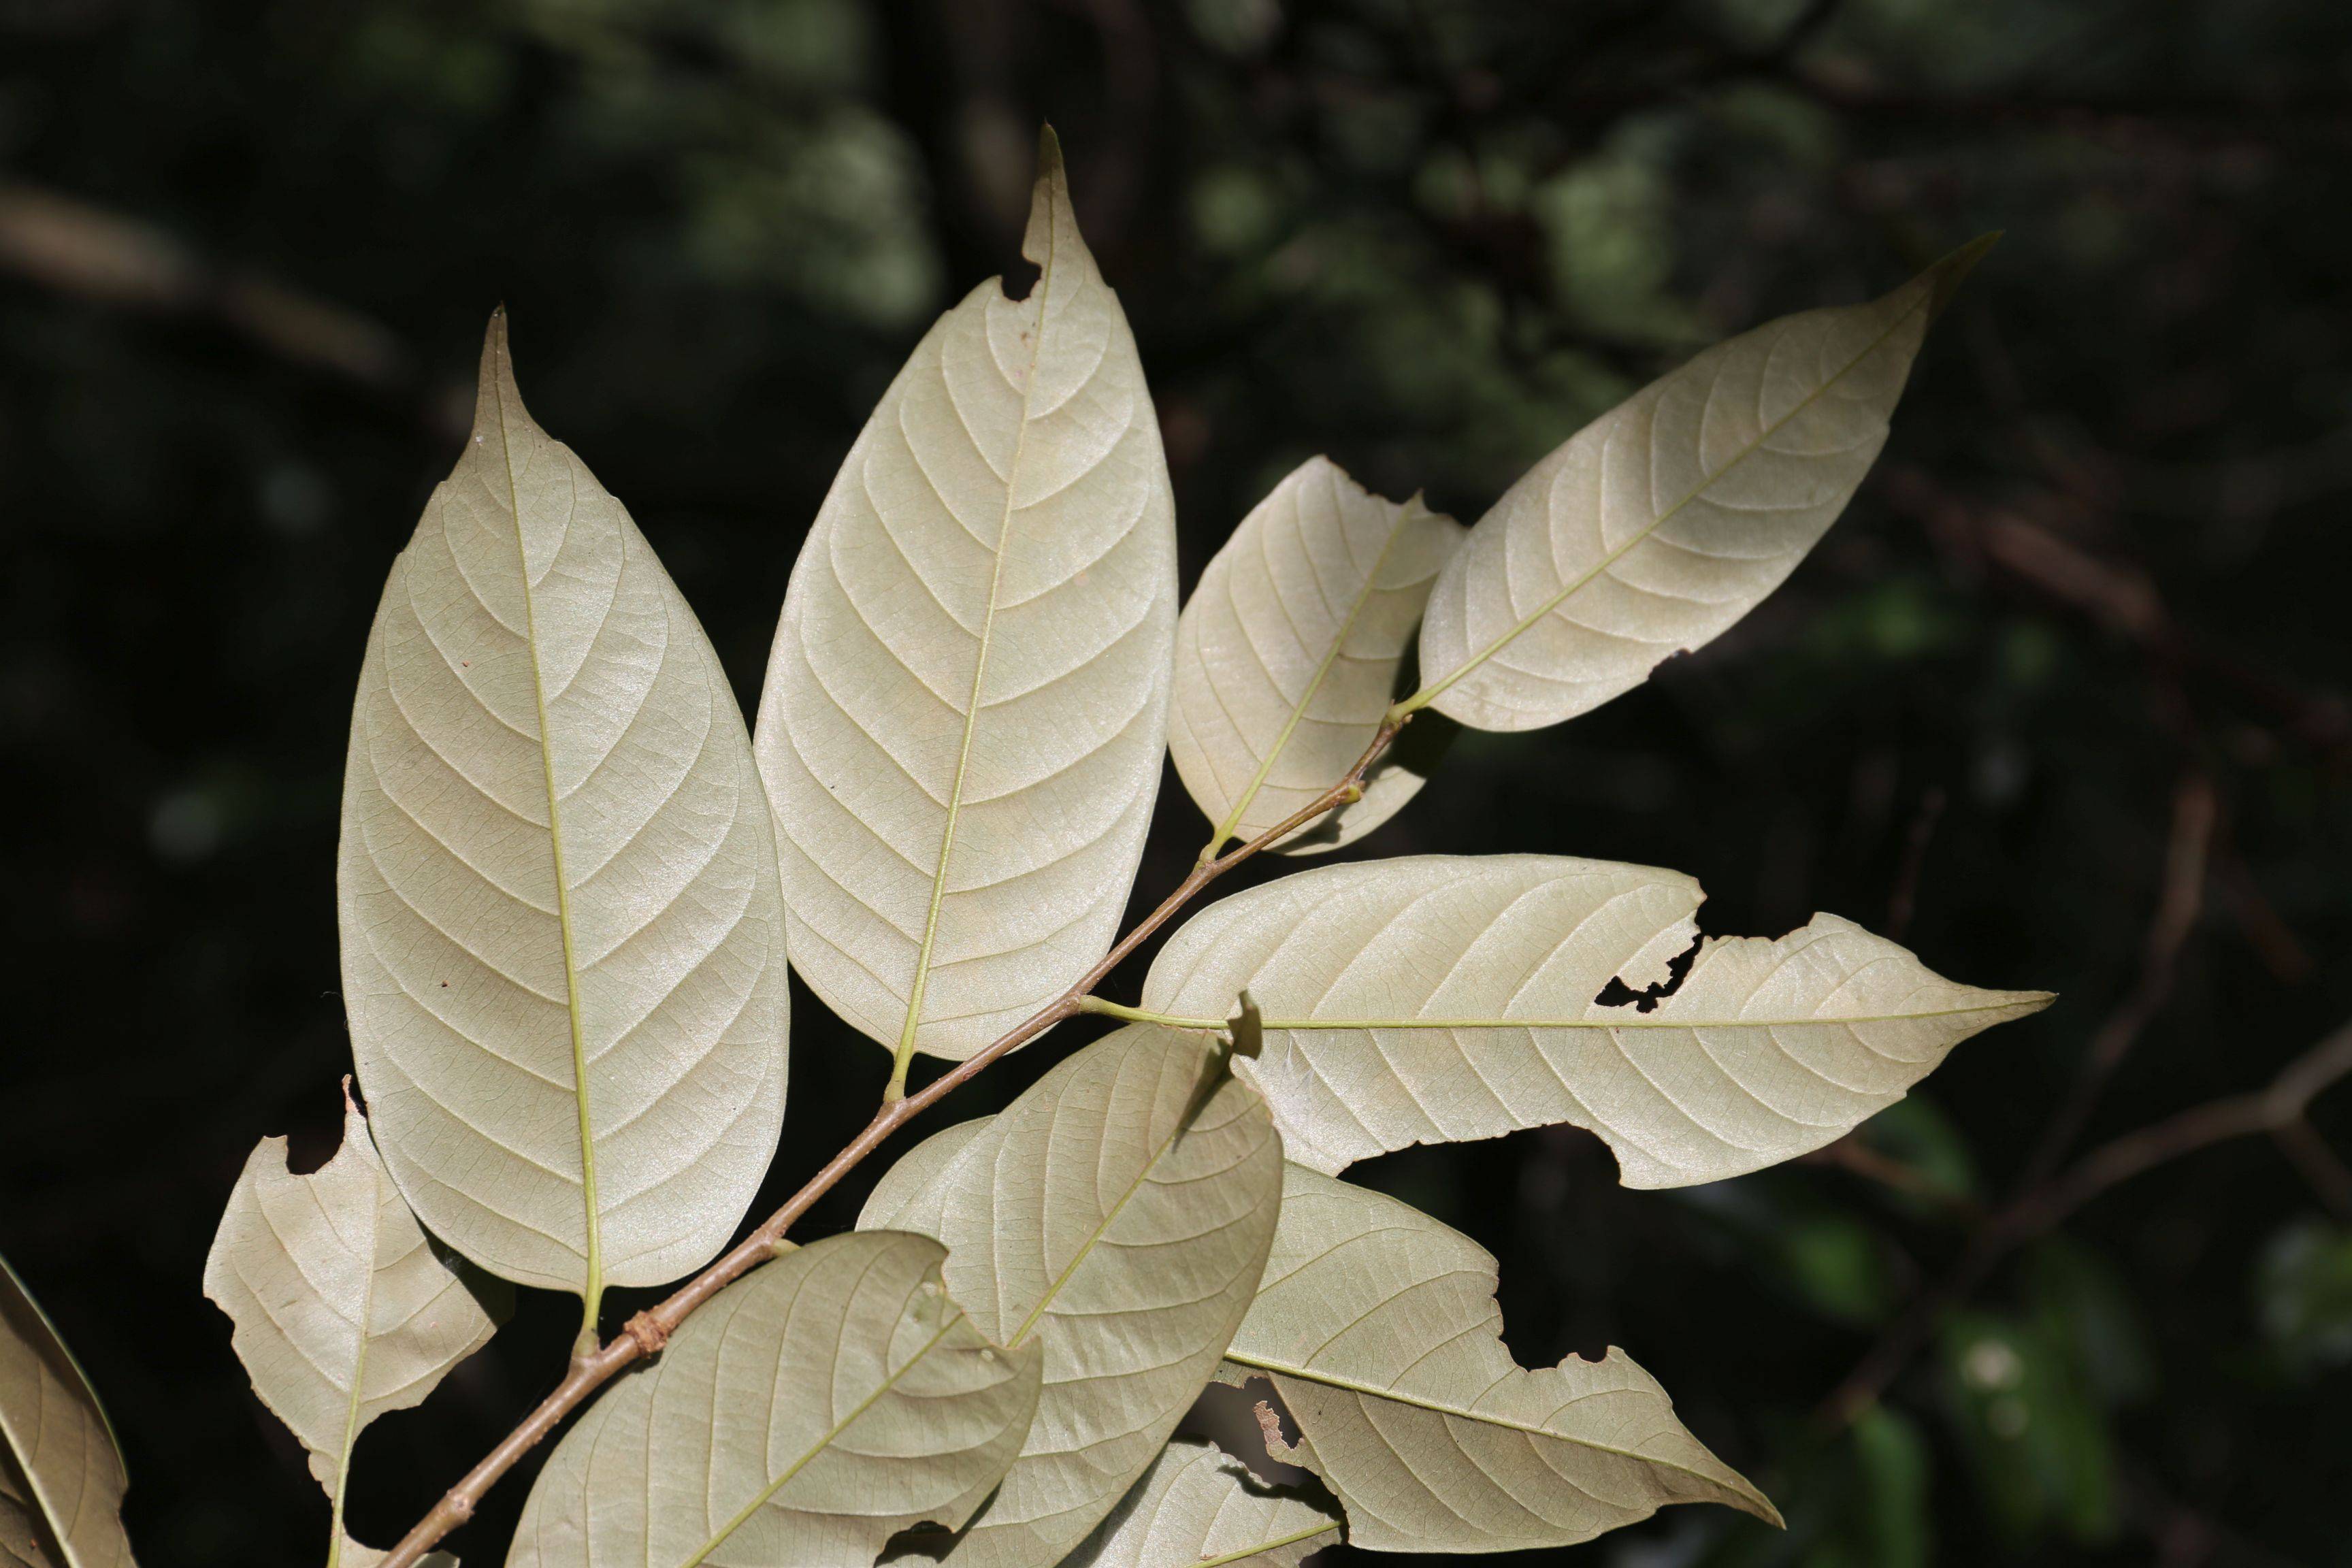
(649,1334)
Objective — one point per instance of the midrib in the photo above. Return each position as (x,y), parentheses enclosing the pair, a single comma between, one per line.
(1303,1026)
(1094,1238)
(1322,672)
(1428,694)
(1374,1391)
(837,1429)
(358,1381)
(593,1285)
(1247,1553)
(1043,294)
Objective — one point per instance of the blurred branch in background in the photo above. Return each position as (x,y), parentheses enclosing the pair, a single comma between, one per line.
(2063,696)
(2280,1110)
(79,248)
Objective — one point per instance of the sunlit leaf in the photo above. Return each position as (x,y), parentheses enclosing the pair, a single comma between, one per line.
(1198,1507)
(806,1414)
(61,1476)
(342,1307)
(1435,998)
(1379,1328)
(562,942)
(967,697)
(1662,522)
(1286,654)
(1119,1217)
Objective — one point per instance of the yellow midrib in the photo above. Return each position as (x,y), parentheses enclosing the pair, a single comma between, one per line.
(593,1284)
(1043,294)
(358,1379)
(1322,672)
(1430,693)
(1456,1412)
(1247,1553)
(1167,1020)
(838,1427)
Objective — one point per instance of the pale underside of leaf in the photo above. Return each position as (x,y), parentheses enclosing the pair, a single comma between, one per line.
(906,1180)
(967,698)
(804,1416)
(61,1474)
(342,1308)
(1377,1327)
(1286,654)
(1658,525)
(1198,1507)
(563,938)
(1436,998)
(1093,1219)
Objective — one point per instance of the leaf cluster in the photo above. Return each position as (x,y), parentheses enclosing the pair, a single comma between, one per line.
(570,876)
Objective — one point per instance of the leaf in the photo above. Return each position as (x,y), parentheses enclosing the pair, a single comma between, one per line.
(563,945)
(903,1183)
(61,1474)
(1094,1217)
(804,1414)
(1197,1506)
(1379,1328)
(1435,998)
(967,695)
(1286,655)
(343,1309)
(1662,522)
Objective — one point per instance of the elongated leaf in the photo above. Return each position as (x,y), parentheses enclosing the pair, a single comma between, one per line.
(1120,1219)
(809,1412)
(1198,1507)
(61,1476)
(1286,655)
(1435,998)
(903,1183)
(562,942)
(1668,519)
(968,694)
(344,1311)
(1379,1328)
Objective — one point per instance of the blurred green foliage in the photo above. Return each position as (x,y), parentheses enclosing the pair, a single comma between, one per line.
(245,251)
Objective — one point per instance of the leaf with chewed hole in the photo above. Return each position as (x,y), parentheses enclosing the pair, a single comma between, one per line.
(806,1414)
(1377,1327)
(1435,998)
(61,1474)
(343,1309)
(1198,1507)
(1287,656)
(1665,520)
(562,937)
(967,697)
(1118,1213)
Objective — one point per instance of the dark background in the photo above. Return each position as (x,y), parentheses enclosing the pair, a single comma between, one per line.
(2060,701)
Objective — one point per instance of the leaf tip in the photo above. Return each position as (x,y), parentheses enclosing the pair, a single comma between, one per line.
(1049,199)
(1949,273)
(496,383)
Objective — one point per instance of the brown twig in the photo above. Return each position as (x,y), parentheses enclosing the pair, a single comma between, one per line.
(654,1326)
(2180,900)
(1905,898)
(2279,1108)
